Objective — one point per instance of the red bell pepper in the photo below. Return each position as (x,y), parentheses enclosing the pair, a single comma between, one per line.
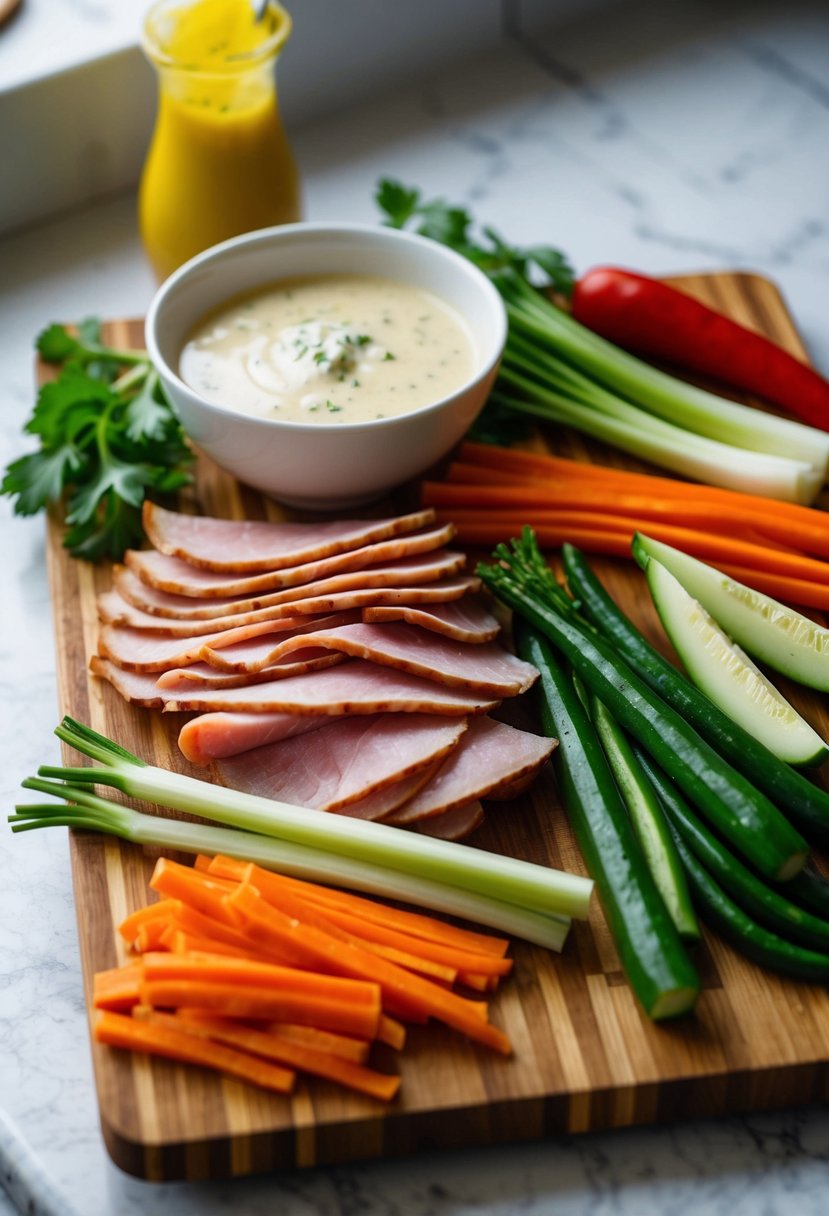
(652,319)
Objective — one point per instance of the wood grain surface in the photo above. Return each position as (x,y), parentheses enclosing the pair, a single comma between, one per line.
(585,1057)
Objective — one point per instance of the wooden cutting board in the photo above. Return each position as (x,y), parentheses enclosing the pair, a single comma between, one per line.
(585,1057)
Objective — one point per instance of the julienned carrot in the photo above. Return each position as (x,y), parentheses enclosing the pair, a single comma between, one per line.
(296,1055)
(222,969)
(401,990)
(391,1032)
(134,1034)
(204,893)
(544,466)
(483,964)
(410,962)
(414,923)
(250,1001)
(744,521)
(340,1045)
(117,988)
(160,910)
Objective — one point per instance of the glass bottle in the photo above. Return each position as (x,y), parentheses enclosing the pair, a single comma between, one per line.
(219,162)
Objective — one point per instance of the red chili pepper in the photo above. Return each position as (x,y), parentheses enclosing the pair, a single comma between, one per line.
(650,318)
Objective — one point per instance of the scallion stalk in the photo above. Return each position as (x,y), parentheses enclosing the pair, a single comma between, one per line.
(88,811)
(552,892)
(684,405)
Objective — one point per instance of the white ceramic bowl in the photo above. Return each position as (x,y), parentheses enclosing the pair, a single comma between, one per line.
(324,465)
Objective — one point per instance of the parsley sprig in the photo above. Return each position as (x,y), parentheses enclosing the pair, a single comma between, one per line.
(539,265)
(108,439)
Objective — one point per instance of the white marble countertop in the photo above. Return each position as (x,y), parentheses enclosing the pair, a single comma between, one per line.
(682,140)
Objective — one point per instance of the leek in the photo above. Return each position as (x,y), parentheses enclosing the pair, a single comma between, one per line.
(89,812)
(524,884)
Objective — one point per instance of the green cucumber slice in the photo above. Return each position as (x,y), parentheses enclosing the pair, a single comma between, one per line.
(727,675)
(770,631)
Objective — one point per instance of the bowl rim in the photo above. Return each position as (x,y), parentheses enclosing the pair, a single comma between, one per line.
(320,228)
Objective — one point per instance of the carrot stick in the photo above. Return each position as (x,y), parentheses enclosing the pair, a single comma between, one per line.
(117,988)
(341,1045)
(546,467)
(203,892)
(296,1055)
(150,935)
(438,972)
(222,969)
(195,923)
(117,1030)
(253,1001)
(181,942)
(414,923)
(486,965)
(400,989)
(162,909)
(391,1032)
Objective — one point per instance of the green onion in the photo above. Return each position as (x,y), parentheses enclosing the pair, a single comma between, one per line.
(89,812)
(550,329)
(551,892)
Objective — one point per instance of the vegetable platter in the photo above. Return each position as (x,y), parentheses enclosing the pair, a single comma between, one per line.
(585,1055)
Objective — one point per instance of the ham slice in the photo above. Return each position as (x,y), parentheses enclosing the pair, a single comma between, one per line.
(214,736)
(113,609)
(487,669)
(179,577)
(490,754)
(356,687)
(252,546)
(201,675)
(465,620)
(453,825)
(425,568)
(135,650)
(347,760)
(382,802)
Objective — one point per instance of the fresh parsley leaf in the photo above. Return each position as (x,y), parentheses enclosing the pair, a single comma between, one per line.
(108,438)
(540,265)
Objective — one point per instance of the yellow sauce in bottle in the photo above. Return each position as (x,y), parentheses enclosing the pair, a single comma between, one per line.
(219,162)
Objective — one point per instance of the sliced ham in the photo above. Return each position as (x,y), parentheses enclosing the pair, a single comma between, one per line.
(453,825)
(382,802)
(347,760)
(202,675)
(425,568)
(180,577)
(135,650)
(213,736)
(253,546)
(355,687)
(487,669)
(465,620)
(490,754)
(113,609)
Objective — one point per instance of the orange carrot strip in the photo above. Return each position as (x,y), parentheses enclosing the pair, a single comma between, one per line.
(162,909)
(252,1001)
(414,923)
(341,1045)
(491,532)
(400,989)
(117,988)
(182,942)
(296,1055)
(203,892)
(195,923)
(411,962)
(150,935)
(526,497)
(391,1032)
(454,959)
(551,467)
(223,969)
(117,1030)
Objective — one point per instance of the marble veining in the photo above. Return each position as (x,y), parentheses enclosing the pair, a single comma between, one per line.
(684,137)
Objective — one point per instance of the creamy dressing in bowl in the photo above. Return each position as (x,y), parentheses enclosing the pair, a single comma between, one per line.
(338,348)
